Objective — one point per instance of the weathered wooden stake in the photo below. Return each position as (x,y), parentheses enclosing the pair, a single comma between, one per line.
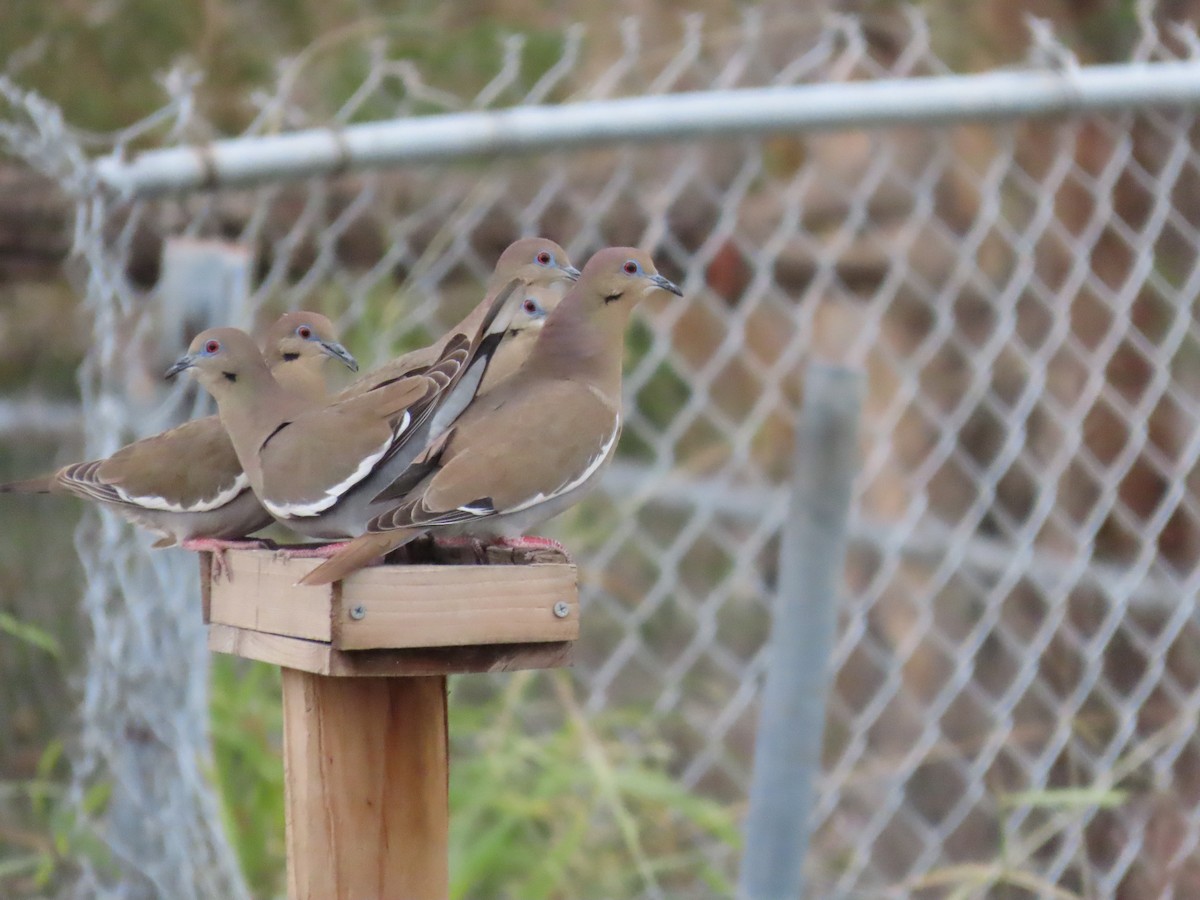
(366,768)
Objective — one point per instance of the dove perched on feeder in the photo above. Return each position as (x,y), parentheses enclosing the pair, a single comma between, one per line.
(536,443)
(299,347)
(316,467)
(538,264)
(186,484)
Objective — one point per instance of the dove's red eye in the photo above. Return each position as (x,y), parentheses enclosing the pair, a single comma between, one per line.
(630,267)
(212,346)
(304,331)
(530,305)
(544,257)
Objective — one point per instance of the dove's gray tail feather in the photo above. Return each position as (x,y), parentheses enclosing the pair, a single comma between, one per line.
(43,485)
(360,553)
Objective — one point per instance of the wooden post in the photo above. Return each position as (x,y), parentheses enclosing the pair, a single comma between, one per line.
(366,747)
(366,768)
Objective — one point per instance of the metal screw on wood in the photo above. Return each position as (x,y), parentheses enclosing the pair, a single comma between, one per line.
(561,609)
(358,612)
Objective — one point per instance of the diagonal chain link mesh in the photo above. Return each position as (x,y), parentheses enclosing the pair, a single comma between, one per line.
(1016,685)
(143,737)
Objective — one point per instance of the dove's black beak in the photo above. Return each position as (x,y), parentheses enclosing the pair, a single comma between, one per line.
(184,362)
(341,354)
(667,285)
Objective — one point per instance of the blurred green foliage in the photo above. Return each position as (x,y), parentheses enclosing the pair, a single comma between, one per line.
(41,838)
(104,61)
(569,807)
(30,634)
(536,813)
(586,808)
(247,723)
(40,639)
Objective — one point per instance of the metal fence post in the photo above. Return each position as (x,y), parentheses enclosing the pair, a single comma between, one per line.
(787,753)
(144,714)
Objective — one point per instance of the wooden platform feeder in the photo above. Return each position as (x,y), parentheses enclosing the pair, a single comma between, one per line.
(364,662)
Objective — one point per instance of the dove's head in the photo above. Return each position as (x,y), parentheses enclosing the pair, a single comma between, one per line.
(584,336)
(225,361)
(306,339)
(531,314)
(615,279)
(537,262)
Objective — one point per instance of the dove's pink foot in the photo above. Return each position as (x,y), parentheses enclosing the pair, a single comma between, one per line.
(311,551)
(478,547)
(218,547)
(531,542)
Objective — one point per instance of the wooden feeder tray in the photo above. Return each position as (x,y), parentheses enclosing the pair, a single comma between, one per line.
(519,610)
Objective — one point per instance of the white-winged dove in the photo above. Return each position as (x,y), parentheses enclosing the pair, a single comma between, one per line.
(523,330)
(535,444)
(316,467)
(298,347)
(186,484)
(537,263)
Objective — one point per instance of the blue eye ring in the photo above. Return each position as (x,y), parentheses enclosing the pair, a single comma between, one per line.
(212,347)
(531,307)
(544,258)
(305,332)
(631,267)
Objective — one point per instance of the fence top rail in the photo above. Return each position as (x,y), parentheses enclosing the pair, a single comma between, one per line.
(991,96)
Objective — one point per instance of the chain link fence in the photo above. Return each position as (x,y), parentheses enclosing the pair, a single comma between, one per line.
(1016,685)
